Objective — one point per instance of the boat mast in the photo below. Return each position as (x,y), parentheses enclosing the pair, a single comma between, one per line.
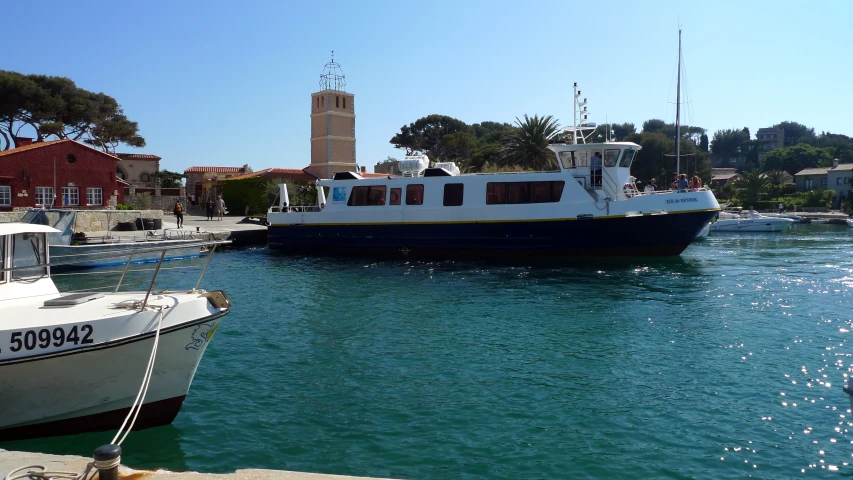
(678,111)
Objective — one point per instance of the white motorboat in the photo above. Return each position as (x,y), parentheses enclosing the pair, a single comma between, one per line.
(749,222)
(72,363)
(849,222)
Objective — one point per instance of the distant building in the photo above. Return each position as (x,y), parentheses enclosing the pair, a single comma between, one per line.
(721,176)
(332,125)
(837,178)
(59,173)
(769,138)
(197,176)
(137,168)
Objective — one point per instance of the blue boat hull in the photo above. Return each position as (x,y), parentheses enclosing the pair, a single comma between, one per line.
(648,235)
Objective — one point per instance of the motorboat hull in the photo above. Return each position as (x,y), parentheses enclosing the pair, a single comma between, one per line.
(92,389)
(638,235)
(112,254)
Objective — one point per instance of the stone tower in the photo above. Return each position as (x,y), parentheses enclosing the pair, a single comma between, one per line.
(332,125)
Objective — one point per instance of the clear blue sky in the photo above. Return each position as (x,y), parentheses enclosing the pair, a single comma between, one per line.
(227,83)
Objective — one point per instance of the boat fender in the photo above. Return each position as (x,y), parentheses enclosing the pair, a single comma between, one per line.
(629,191)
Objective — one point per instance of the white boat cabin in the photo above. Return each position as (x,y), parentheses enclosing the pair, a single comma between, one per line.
(600,171)
(24,270)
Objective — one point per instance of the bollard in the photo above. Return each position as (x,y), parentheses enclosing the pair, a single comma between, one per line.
(107,459)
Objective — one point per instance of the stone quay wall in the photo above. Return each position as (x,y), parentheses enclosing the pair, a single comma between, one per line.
(94,220)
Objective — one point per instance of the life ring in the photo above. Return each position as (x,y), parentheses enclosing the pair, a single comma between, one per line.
(629,190)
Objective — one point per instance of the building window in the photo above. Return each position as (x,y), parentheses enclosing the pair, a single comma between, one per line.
(70,196)
(846,180)
(44,195)
(120,173)
(453,193)
(70,158)
(808,184)
(415,194)
(373,195)
(5,201)
(318,102)
(2,257)
(823,182)
(838,181)
(345,103)
(94,196)
(323,101)
(145,178)
(498,193)
(396,195)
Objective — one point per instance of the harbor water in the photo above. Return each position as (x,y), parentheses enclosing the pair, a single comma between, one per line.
(725,362)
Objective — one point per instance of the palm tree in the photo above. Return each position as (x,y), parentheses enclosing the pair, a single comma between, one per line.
(751,184)
(776,179)
(527,144)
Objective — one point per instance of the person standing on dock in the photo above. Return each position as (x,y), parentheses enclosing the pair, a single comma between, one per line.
(179,213)
(220,206)
(209,207)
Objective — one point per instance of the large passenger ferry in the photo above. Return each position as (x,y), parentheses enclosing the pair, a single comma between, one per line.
(591,206)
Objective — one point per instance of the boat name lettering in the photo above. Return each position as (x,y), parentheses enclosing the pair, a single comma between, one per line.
(682,200)
(45,337)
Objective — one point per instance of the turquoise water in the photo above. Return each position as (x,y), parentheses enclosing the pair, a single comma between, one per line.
(725,362)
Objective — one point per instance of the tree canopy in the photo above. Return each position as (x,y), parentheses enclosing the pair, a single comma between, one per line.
(44,106)
(527,144)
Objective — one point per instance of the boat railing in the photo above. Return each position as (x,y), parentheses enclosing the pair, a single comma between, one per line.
(609,184)
(88,257)
(296,209)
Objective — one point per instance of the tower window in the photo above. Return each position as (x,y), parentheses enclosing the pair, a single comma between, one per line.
(323,101)
(345,103)
(318,102)
(337,101)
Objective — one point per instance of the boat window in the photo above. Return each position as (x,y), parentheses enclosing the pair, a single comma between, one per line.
(567,159)
(627,158)
(453,193)
(582,158)
(518,192)
(396,195)
(29,250)
(611,156)
(498,193)
(415,194)
(373,195)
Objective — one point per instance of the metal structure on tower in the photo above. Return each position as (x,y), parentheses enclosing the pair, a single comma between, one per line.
(333,77)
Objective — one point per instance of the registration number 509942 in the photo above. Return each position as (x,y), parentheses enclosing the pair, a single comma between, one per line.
(46,337)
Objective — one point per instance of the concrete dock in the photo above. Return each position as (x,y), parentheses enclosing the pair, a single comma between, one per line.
(10,461)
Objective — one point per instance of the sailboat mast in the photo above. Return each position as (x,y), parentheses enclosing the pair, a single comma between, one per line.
(678,111)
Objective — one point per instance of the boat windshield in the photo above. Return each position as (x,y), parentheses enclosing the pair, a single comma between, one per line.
(29,255)
(627,158)
(611,156)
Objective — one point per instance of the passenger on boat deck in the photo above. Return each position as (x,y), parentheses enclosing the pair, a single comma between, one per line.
(674,184)
(695,183)
(651,186)
(682,183)
(596,168)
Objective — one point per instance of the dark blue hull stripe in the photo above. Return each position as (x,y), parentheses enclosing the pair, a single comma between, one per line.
(650,235)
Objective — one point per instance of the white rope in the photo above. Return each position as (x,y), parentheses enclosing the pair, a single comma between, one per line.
(39,473)
(143,389)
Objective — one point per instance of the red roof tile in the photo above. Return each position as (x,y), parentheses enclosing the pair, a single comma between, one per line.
(271,173)
(36,145)
(137,156)
(213,170)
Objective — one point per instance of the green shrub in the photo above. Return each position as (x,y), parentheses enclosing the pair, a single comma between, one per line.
(125,207)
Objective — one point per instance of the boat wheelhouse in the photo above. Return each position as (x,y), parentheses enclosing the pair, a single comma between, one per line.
(590,206)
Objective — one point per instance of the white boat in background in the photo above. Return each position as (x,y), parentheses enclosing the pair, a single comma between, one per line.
(849,222)
(68,248)
(749,222)
(795,218)
(78,362)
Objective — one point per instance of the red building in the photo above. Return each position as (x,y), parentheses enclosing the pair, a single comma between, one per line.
(56,174)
